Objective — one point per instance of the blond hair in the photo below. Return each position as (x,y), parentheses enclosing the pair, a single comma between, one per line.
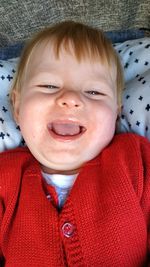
(87,42)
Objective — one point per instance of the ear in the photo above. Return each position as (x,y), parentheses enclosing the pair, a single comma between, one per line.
(15,98)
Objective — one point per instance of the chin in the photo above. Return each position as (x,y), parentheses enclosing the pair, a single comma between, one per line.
(59,166)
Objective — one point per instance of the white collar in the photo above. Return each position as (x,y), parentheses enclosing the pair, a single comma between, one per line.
(60,180)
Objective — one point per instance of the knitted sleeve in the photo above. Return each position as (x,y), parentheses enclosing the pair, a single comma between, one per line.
(9,168)
(145,196)
(141,182)
(1,216)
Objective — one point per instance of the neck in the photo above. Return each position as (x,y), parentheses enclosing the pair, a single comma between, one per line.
(63,172)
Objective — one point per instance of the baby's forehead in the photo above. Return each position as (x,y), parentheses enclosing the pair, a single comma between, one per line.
(56,48)
(45,55)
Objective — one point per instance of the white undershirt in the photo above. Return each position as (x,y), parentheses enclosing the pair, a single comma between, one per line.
(62,185)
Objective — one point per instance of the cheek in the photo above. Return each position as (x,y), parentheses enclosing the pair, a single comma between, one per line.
(29,119)
(103,117)
(25,114)
(31,107)
(102,128)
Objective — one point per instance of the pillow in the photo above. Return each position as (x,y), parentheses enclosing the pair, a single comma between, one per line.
(135,57)
(135,114)
(10,135)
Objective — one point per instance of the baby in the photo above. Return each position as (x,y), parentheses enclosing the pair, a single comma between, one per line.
(77,195)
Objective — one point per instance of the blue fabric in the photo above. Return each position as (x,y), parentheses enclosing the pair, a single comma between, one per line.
(122,36)
(14,50)
(11,51)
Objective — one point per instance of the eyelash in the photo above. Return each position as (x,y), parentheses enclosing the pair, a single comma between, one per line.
(92,92)
(48,86)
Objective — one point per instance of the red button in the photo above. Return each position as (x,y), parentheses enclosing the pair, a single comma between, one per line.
(68,229)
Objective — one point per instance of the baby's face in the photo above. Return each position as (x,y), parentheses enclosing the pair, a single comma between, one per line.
(67,109)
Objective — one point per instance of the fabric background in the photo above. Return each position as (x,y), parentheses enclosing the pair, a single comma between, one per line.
(135,113)
(19,19)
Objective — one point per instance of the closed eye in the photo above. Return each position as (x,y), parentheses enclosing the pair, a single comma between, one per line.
(93,92)
(48,86)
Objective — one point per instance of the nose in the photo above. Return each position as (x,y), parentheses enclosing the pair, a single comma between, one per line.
(70,99)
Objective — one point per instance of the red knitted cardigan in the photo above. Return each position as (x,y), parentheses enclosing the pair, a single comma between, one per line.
(104,221)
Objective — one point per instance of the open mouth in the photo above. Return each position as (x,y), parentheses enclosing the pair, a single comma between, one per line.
(66,130)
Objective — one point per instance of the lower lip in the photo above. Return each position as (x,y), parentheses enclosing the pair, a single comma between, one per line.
(65,138)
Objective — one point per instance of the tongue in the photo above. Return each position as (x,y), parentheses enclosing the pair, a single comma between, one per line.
(66,128)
